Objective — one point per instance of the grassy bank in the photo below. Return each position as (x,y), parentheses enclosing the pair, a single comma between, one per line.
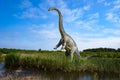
(58,61)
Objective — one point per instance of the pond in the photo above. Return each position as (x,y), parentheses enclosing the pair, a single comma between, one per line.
(55,75)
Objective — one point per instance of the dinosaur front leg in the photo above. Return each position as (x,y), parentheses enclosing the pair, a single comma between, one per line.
(63,46)
(60,42)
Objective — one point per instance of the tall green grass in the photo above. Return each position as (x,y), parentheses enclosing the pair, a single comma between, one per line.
(12,60)
(2,56)
(58,61)
(101,54)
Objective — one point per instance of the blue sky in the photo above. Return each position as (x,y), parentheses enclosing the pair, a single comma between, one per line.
(27,24)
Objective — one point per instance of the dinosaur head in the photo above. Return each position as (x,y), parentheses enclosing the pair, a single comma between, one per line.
(52,8)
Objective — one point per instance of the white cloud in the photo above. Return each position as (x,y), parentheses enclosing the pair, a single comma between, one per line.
(113,17)
(49,34)
(44,31)
(93,16)
(46,35)
(86,7)
(39,11)
(115,32)
(107,3)
(104,2)
(69,15)
(116,2)
(57,3)
(72,15)
(116,7)
(85,43)
(100,1)
(31,13)
(87,24)
(113,14)
(28,10)
(25,4)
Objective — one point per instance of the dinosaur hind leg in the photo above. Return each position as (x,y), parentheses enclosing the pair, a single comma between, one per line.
(77,53)
(72,53)
(67,53)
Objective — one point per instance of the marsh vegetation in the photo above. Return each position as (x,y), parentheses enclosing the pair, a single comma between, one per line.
(106,61)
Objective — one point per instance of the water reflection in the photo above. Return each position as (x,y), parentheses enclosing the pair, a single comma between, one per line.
(1,66)
(53,75)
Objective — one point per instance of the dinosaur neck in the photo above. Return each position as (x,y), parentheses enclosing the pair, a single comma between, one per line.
(61,29)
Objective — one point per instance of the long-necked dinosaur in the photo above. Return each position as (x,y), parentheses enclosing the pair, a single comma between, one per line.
(66,40)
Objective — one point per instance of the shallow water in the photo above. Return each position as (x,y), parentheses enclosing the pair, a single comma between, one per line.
(56,75)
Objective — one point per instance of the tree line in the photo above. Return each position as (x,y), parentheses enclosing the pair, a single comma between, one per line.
(102,50)
(12,50)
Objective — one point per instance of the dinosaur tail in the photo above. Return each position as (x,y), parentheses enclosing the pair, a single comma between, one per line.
(93,56)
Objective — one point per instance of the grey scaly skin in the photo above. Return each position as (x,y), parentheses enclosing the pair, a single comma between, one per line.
(66,40)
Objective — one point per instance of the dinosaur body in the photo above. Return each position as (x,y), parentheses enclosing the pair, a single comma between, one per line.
(66,40)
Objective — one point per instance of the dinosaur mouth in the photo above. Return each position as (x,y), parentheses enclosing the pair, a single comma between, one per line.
(49,9)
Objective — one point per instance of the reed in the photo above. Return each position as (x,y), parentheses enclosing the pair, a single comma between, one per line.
(12,60)
(58,61)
